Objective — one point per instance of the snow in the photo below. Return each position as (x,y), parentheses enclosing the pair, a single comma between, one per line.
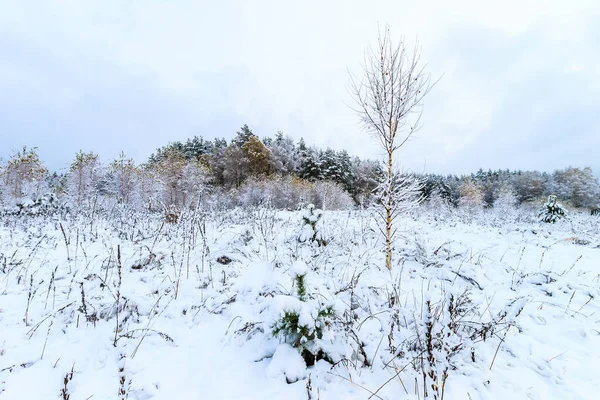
(286,363)
(193,328)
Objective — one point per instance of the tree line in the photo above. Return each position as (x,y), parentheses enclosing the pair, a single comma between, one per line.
(576,187)
(248,170)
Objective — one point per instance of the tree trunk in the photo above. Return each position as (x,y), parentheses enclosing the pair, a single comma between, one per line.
(388,217)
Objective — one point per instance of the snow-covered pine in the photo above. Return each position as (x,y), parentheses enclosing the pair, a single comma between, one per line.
(552,210)
(42,205)
(311,231)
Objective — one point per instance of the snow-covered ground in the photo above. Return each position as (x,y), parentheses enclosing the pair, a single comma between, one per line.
(199,300)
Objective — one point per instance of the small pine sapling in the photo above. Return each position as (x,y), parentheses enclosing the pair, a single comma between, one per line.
(310,229)
(302,326)
(300,286)
(552,210)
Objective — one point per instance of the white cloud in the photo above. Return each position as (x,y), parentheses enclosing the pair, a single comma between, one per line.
(283,66)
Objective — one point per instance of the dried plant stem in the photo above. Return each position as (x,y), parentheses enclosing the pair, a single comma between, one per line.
(118,293)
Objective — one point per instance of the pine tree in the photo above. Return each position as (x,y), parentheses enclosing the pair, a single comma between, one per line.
(302,145)
(196,148)
(242,136)
(311,166)
(285,157)
(331,170)
(552,210)
(367,174)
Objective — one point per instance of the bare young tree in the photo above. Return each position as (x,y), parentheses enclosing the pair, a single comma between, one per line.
(389,104)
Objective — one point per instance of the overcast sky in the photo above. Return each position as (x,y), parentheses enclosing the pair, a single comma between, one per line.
(520,85)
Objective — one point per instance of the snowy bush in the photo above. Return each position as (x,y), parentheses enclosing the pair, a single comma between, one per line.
(288,192)
(552,210)
(331,196)
(439,206)
(310,226)
(45,204)
(171,214)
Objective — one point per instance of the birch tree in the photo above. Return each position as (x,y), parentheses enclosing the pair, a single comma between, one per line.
(389,103)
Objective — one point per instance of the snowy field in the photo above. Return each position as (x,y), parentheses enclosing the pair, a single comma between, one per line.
(126,306)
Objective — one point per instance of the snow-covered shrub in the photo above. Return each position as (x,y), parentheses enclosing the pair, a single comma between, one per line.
(440,207)
(284,192)
(331,196)
(171,214)
(552,210)
(218,200)
(252,193)
(289,192)
(45,204)
(310,226)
